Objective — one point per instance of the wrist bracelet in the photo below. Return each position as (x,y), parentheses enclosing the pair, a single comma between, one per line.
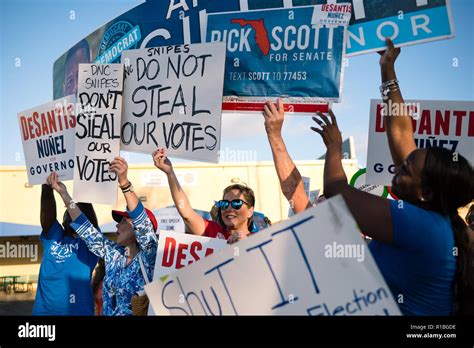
(126,186)
(387,87)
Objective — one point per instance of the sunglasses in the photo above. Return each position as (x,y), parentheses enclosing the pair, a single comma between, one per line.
(236,204)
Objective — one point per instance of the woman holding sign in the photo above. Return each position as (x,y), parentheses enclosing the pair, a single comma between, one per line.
(420,243)
(235,210)
(129,262)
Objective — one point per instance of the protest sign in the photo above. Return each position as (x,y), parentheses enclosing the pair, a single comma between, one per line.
(359,181)
(97,140)
(312,264)
(151,24)
(406,22)
(47,133)
(173,99)
(295,53)
(177,250)
(169,219)
(436,123)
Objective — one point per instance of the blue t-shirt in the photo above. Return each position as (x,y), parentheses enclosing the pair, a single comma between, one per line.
(420,264)
(64,282)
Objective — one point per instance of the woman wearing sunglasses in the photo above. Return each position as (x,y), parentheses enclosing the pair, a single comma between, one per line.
(235,210)
(420,243)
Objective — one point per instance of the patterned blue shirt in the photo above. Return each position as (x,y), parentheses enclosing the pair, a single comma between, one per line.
(121,281)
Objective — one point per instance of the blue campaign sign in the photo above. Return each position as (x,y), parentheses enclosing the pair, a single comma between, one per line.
(296,53)
(172,22)
(406,22)
(151,24)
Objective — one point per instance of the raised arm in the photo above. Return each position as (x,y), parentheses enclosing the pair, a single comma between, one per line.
(291,182)
(144,231)
(48,208)
(371,213)
(192,219)
(95,240)
(399,126)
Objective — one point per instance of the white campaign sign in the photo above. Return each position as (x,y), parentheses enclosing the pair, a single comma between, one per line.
(47,132)
(173,99)
(97,139)
(169,219)
(437,123)
(293,268)
(177,250)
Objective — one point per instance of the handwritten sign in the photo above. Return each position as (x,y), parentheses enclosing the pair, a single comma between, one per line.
(173,99)
(47,132)
(177,250)
(436,123)
(292,268)
(98,132)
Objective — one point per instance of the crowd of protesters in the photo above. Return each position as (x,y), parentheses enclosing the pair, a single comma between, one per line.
(422,247)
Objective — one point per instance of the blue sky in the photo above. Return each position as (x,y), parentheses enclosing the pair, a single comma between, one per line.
(35,33)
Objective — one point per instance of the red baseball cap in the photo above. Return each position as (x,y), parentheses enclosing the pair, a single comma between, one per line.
(118,215)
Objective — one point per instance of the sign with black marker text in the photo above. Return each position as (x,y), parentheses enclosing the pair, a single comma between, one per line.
(173,99)
(97,139)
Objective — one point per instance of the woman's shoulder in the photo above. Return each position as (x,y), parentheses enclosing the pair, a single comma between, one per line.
(213,229)
(403,208)
(416,226)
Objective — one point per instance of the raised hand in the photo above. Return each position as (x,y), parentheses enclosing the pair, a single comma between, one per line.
(329,130)
(161,161)
(389,56)
(274,116)
(57,185)
(120,166)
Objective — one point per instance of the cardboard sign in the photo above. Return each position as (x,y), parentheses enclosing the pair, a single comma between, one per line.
(312,264)
(173,99)
(177,250)
(295,53)
(97,140)
(47,133)
(436,123)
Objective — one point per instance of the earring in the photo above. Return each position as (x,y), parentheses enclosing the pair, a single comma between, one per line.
(422,199)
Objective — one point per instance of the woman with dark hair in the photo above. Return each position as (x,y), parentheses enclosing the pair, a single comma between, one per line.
(235,209)
(420,243)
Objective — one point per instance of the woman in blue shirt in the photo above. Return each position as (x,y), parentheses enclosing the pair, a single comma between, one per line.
(420,243)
